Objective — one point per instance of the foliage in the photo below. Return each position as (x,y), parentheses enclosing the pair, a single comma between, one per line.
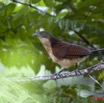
(21,55)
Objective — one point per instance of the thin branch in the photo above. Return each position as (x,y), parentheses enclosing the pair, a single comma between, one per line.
(32,6)
(96,81)
(81,36)
(88,70)
(85,40)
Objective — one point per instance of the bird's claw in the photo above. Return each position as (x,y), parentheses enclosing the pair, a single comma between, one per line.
(58,74)
(77,71)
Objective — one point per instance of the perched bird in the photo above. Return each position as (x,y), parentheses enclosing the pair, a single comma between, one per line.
(64,53)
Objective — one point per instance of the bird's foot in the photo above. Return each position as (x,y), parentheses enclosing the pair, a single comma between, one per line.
(77,72)
(61,71)
(59,74)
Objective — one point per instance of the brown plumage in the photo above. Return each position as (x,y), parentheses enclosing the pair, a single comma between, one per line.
(69,50)
(64,53)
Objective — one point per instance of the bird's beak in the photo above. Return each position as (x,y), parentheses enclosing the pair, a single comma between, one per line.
(36,34)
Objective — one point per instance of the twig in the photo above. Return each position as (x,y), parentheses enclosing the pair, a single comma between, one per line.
(85,40)
(96,81)
(32,6)
(88,70)
(81,36)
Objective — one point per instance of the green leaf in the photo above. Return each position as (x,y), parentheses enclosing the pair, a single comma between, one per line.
(3,27)
(61,0)
(7,11)
(34,1)
(21,12)
(49,3)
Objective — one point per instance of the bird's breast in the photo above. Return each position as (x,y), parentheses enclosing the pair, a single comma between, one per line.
(47,45)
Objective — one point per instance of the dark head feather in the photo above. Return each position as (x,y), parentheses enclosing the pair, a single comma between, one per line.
(44,34)
(48,35)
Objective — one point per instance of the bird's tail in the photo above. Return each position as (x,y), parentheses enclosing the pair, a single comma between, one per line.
(99,51)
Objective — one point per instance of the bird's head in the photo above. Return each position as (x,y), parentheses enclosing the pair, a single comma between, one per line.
(46,38)
(43,34)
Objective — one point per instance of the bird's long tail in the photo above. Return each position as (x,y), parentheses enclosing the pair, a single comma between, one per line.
(99,51)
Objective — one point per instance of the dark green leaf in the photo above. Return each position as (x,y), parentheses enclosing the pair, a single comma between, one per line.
(49,3)
(7,10)
(21,12)
(34,1)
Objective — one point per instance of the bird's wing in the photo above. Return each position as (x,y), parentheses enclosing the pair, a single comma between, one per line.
(59,50)
(65,50)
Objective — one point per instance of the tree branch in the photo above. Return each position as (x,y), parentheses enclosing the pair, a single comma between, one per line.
(32,6)
(85,40)
(88,70)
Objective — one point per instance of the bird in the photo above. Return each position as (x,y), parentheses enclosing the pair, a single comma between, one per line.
(64,53)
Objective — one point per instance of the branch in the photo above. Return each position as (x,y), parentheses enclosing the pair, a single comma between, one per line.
(88,70)
(81,36)
(32,6)
(85,40)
